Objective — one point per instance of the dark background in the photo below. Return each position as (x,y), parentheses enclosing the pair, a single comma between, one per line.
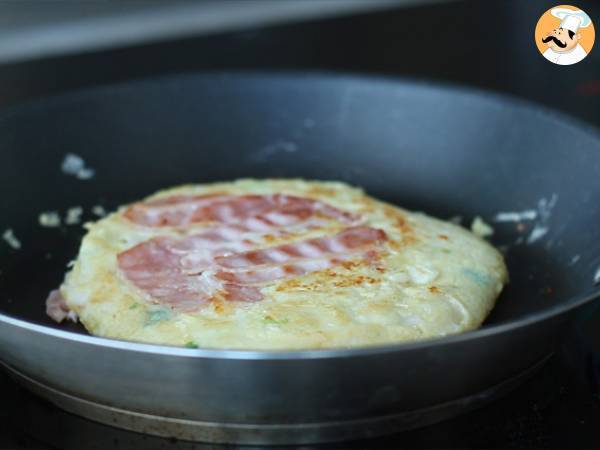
(483,44)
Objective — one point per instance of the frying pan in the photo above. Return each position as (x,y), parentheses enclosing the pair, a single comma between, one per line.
(444,150)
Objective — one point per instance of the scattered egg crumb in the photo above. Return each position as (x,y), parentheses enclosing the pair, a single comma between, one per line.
(49,219)
(70,264)
(75,165)
(516,216)
(10,238)
(480,228)
(73,216)
(540,215)
(538,232)
(98,210)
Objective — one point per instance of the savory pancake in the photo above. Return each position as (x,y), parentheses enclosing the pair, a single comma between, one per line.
(279,264)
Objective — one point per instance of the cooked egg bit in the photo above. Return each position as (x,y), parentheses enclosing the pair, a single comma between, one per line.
(279,264)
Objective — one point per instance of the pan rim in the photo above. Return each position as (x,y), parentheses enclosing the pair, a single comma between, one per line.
(365,78)
(326,353)
(500,99)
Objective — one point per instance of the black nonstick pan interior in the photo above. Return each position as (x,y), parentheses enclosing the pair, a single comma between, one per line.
(443,150)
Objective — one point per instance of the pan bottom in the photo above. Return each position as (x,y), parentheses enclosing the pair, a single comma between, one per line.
(261,434)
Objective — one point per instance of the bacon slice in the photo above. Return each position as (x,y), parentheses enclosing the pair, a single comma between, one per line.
(264,274)
(343,242)
(224,266)
(155,266)
(57,309)
(252,212)
(225,260)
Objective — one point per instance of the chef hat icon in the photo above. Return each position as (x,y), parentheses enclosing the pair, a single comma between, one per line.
(571,19)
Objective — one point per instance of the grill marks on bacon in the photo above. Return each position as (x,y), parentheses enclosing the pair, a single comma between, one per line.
(289,260)
(189,271)
(346,241)
(224,265)
(251,212)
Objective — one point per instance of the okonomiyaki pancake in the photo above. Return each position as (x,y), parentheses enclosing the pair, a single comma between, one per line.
(278,264)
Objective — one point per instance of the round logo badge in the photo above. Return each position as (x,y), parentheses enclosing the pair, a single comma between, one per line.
(564,35)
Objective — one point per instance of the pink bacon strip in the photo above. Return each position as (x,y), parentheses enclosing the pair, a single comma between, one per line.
(252,212)
(289,260)
(161,266)
(157,266)
(346,240)
(265,274)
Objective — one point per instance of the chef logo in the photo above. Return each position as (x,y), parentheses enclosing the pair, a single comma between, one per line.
(564,35)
